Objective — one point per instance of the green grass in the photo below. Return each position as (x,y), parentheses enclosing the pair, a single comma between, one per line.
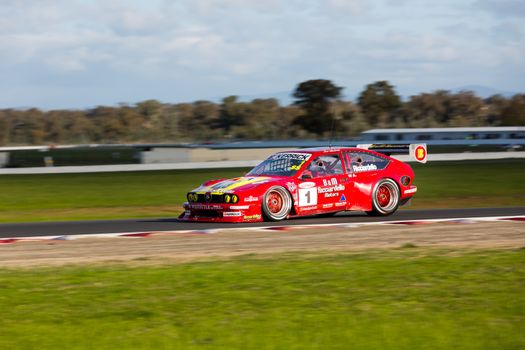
(470,184)
(398,299)
(99,195)
(161,193)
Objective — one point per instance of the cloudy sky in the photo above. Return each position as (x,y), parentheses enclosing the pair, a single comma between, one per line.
(83,53)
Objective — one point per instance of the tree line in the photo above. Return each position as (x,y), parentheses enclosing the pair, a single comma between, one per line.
(317,112)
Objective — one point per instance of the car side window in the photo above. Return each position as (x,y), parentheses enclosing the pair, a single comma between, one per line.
(357,162)
(325,165)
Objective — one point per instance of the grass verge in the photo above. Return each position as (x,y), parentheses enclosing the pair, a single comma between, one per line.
(161,193)
(397,299)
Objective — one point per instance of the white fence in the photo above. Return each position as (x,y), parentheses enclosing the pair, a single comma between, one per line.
(233,164)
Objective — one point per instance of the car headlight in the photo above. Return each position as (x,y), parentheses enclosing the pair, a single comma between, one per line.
(235,199)
(227,198)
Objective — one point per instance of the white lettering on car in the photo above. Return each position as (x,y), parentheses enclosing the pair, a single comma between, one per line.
(231,213)
(251,199)
(307,184)
(367,167)
(331,194)
(335,188)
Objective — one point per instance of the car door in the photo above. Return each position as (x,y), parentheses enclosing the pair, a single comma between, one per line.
(364,170)
(323,186)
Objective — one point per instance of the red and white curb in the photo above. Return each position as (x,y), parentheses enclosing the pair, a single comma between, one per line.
(467,220)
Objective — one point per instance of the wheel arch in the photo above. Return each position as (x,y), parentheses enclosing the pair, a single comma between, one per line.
(373,194)
(289,196)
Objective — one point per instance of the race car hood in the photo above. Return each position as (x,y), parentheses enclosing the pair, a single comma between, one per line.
(231,185)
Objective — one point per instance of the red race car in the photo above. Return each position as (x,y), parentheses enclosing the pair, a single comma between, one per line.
(304,182)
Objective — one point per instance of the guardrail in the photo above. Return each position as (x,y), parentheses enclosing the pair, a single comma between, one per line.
(233,164)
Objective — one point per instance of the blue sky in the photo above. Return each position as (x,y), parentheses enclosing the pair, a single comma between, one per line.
(84,53)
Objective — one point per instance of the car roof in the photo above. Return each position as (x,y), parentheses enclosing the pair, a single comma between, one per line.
(320,150)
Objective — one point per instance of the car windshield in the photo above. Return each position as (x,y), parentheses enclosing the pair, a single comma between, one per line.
(280,164)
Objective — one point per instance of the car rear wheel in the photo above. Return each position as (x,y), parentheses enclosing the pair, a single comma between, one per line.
(276,204)
(385,198)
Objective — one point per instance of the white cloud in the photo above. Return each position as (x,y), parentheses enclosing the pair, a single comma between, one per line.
(195,49)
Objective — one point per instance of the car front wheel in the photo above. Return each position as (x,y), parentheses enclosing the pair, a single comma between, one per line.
(276,204)
(385,198)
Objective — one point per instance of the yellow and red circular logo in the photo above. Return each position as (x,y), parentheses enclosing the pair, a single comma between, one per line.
(420,153)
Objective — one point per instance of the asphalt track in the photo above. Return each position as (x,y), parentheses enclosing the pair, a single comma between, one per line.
(172,224)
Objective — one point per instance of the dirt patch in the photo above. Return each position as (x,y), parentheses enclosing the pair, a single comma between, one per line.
(183,247)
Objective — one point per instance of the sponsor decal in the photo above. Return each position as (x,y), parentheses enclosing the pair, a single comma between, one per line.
(291,186)
(367,167)
(335,188)
(312,207)
(331,194)
(297,156)
(251,199)
(342,199)
(420,153)
(326,206)
(252,217)
(239,207)
(307,196)
(205,207)
(331,182)
(187,212)
(307,184)
(340,204)
(231,213)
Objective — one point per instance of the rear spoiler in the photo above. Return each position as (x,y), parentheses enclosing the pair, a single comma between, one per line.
(418,151)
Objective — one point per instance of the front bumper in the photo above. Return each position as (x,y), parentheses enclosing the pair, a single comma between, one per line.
(409,191)
(221,212)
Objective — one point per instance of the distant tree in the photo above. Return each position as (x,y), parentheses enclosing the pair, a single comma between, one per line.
(349,120)
(495,106)
(79,128)
(184,115)
(167,128)
(258,119)
(4,128)
(466,109)
(110,127)
(34,126)
(206,120)
(286,128)
(233,113)
(149,108)
(315,97)
(379,103)
(514,113)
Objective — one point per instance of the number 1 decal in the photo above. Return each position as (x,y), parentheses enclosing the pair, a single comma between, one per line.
(307,196)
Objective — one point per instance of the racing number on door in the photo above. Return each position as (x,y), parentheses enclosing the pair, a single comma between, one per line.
(307,196)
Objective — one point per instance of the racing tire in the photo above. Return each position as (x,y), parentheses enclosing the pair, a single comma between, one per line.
(385,198)
(276,203)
